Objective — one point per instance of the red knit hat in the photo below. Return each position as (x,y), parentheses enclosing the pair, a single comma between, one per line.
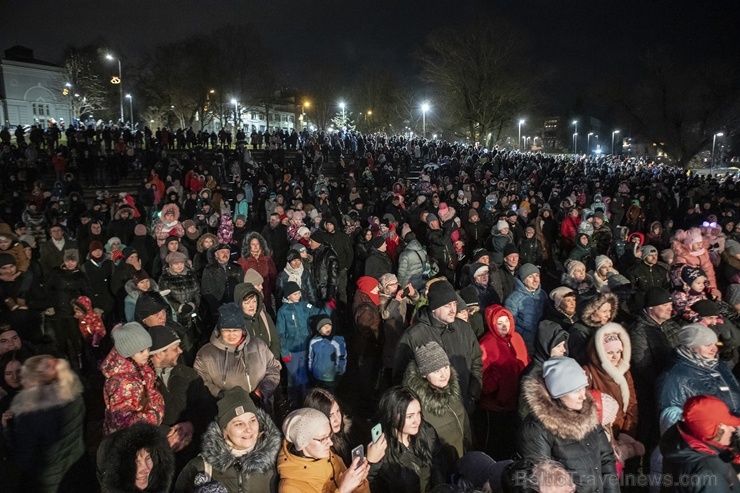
(366,284)
(703,414)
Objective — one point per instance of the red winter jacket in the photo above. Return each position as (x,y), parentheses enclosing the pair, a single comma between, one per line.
(130,394)
(91,326)
(504,359)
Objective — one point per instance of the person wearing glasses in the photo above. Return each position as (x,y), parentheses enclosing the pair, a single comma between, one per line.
(306,463)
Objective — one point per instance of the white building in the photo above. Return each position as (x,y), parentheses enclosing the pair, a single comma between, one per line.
(31,90)
(254,119)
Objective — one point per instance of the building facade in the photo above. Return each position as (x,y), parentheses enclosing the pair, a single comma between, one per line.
(31,90)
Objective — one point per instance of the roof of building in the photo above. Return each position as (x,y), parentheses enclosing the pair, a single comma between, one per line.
(19,53)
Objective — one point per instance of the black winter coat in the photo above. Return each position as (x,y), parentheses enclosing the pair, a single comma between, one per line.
(218,283)
(184,291)
(186,398)
(642,276)
(342,246)
(440,247)
(65,286)
(325,270)
(573,438)
(377,264)
(100,275)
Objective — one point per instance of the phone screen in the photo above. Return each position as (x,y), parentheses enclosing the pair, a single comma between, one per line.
(358,452)
(376,431)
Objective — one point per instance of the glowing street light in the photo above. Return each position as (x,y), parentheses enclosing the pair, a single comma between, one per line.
(613,134)
(521,122)
(588,142)
(120,80)
(236,111)
(342,106)
(575,137)
(424,109)
(131,108)
(714,140)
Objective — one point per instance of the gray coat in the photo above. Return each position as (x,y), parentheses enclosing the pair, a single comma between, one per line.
(411,262)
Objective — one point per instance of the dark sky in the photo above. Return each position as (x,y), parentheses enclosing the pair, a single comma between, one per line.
(581,40)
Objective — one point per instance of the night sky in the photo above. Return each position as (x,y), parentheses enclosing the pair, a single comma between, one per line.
(579,41)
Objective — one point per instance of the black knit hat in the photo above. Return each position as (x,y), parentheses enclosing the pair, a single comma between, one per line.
(235,402)
(290,288)
(705,308)
(441,293)
(162,338)
(377,242)
(319,236)
(148,304)
(470,295)
(230,316)
(656,296)
(509,249)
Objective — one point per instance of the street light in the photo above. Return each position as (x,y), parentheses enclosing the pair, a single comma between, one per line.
(588,142)
(131,108)
(525,141)
(306,104)
(341,105)
(424,109)
(236,111)
(575,137)
(521,122)
(714,140)
(613,134)
(120,81)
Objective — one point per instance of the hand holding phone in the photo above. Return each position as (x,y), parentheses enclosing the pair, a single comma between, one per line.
(359,453)
(377,430)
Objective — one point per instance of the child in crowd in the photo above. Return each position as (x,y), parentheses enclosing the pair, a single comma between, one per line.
(327,355)
(293,326)
(92,329)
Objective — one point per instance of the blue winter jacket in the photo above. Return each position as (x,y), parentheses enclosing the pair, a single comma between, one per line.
(686,379)
(327,357)
(527,308)
(293,325)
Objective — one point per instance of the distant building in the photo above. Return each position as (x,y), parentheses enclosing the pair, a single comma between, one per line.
(31,90)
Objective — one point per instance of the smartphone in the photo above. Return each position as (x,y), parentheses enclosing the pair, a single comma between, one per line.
(358,452)
(406,292)
(376,432)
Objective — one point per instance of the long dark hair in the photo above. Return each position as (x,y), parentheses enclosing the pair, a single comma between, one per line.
(392,416)
(322,400)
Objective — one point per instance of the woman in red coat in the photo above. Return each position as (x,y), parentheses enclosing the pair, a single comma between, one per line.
(504,358)
(256,255)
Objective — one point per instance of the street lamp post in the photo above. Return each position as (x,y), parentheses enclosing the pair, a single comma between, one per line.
(236,112)
(341,105)
(714,141)
(424,109)
(588,142)
(306,104)
(575,137)
(131,108)
(613,134)
(521,122)
(524,145)
(120,81)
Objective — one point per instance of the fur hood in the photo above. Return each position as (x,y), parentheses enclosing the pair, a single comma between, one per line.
(119,475)
(435,401)
(555,418)
(130,211)
(199,244)
(599,360)
(594,305)
(131,290)
(60,393)
(171,207)
(263,245)
(260,460)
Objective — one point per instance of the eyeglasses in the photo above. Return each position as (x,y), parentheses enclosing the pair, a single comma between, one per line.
(325,440)
(707,224)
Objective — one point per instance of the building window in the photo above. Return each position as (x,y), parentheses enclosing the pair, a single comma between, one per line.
(41,110)
(291,118)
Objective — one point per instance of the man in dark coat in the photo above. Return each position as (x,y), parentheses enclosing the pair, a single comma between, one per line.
(649,272)
(123,225)
(276,235)
(378,263)
(220,277)
(52,251)
(99,271)
(325,269)
(342,246)
(437,322)
(651,356)
(187,402)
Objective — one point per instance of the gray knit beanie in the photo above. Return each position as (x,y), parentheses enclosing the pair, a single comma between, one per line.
(130,339)
(695,335)
(527,270)
(302,425)
(430,357)
(562,376)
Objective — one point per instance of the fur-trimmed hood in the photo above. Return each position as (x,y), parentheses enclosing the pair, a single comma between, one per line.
(130,211)
(119,456)
(594,305)
(433,400)
(199,244)
(557,419)
(263,245)
(62,392)
(599,360)
(171,207)
(259,461)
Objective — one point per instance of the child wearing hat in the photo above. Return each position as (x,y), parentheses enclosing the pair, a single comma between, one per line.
(130,390)
(293,320)
(327,355)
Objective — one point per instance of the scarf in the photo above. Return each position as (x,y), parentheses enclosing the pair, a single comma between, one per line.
(294,274)
(697,359)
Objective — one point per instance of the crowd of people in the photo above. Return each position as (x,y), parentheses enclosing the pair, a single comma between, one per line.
(509,321)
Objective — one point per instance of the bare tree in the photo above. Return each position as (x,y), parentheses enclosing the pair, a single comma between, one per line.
(81,81)
(680,108)
(478,76)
